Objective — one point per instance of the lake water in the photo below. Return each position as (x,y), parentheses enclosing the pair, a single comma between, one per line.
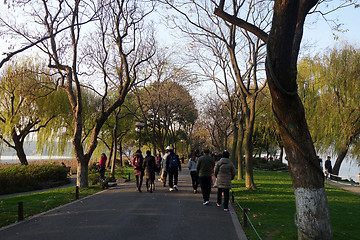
(349,169)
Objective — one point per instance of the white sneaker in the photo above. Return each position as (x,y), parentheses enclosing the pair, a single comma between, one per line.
(176,188)
(171,189)
(206,203)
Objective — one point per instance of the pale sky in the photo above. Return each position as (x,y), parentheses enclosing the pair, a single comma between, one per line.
(318,32)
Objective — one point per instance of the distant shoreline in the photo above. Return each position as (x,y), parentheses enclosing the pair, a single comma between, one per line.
(14,159)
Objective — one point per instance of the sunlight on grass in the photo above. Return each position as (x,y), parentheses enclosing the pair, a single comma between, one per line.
(271,208)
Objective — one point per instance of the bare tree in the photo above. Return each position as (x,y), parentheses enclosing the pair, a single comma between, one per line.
(226,51)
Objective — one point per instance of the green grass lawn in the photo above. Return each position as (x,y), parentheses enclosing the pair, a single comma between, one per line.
(271,208)
(40,202)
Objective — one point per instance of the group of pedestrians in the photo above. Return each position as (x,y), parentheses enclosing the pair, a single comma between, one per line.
(148,166)
(203,167)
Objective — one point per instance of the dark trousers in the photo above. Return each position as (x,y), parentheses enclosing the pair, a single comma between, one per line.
(139,180)
(173,176)
(194,179)
(163,177)
(226,197)
(150,184)
(205,184)
(102,172)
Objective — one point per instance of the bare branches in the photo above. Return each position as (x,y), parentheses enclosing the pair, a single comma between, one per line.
(219,11)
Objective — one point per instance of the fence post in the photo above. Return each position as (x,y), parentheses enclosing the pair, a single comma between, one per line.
(20,211)
(77,192)
(245,217)
(129,177)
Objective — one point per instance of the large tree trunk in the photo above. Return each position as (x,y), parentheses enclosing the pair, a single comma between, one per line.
(240,151)
(312,215)
(82,174)
(249,116)
(283,43)
(234,144)
(340,158)
(19,147)
(115,138)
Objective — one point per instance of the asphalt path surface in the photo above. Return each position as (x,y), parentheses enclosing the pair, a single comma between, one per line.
(123,213)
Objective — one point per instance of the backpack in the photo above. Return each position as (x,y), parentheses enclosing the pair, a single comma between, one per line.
(137,163)
(173,162)
(158,163)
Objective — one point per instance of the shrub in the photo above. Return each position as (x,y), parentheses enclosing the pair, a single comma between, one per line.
(31,177)
(272,165)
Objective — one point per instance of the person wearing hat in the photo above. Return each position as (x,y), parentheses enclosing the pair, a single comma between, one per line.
(163,165)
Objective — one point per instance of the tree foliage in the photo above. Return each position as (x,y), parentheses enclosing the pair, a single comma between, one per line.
(329,86)
(25,97)
(168,108)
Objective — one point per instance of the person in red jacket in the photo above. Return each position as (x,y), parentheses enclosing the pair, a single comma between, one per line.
(102,165)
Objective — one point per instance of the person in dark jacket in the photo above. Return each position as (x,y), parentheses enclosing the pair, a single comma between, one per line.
(149,167)
(173,166)
(204,167)
(224,173)
(328,168)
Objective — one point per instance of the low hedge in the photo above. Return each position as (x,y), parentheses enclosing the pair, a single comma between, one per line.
(272,165)
(21,178)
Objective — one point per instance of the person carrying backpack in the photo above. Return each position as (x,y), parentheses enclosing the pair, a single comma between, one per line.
(173,166)
(137,162)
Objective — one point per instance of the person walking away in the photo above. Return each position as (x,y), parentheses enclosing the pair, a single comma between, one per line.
(164,172)
(224,173)
(137,162)
(328,168)
(102,165)
(193,172)
(204,167)
(173,166)
(149,167)
(158,163)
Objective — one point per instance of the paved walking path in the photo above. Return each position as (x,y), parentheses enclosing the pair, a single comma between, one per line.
(348,187)
(122,213)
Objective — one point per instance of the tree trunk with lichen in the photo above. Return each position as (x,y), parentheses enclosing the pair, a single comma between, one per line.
(312,216)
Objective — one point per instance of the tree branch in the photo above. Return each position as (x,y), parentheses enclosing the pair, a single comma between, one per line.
(219,11)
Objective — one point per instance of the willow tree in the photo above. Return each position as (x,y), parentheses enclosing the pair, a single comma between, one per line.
(102,47)
(283,43)
(25,103)
(332,87)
